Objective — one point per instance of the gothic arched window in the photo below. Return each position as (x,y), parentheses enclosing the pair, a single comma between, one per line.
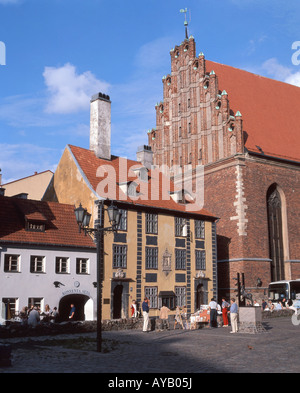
(274,206)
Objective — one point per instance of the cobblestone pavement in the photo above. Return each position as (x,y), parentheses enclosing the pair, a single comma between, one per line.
(175,351)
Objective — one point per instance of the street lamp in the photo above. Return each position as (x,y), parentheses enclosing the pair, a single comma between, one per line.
(83,221)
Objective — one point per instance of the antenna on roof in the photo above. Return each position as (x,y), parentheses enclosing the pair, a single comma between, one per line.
(184,11)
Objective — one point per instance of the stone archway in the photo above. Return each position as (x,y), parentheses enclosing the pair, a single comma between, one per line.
(82,304)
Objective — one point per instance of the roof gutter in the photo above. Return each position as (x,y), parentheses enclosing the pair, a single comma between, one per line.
(293,162)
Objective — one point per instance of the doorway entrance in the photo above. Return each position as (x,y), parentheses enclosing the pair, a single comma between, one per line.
(117,303)
(82,304)
(200,292)
(119,299)
(199,296)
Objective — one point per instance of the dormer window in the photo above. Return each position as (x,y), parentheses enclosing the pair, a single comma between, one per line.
(35,221)
(33,226)
(141,173)
(132,189)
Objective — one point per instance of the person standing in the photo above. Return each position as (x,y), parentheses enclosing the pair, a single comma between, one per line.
(72,312)
(34,317)
(145,309)
(213,312)
(133,309)
(225,306)
(233,316)
(54,315)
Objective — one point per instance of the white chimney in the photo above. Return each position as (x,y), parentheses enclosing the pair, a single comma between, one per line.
(144,155)
(100,125)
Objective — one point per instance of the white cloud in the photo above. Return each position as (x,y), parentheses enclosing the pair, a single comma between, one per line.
(285,74)
(69,91)
(294,79)
(278,71)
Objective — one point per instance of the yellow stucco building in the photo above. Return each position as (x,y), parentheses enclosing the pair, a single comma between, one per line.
(162,250)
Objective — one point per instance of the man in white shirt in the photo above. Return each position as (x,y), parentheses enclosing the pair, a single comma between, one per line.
(213,312)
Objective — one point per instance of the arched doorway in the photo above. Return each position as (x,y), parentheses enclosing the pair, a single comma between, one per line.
(80,302)
(274,207)
(117,302)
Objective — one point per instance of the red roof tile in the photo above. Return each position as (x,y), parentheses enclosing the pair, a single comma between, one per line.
(269,108)
(90,165)
(60,223)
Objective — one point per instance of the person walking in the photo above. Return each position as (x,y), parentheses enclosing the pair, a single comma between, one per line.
(164,317)
(145,309)
(225,306)
(213,312)
(178,318)
(233,316)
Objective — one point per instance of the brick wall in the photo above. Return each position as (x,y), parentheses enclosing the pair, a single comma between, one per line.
(195,124)
(248,249)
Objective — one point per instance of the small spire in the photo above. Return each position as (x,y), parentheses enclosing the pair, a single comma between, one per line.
(184,11)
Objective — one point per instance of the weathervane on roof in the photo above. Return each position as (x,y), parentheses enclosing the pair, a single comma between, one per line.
(184,11)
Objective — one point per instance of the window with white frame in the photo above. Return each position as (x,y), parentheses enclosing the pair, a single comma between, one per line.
(151,294)
(62,265)
(82,266)
(180,293)
(36,302)
(11,307)
(37,264)
(12,263)
(199,229)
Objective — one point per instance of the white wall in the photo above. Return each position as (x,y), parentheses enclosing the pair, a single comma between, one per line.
(24,285)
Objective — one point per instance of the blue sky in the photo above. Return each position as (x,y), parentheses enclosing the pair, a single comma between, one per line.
(61,52)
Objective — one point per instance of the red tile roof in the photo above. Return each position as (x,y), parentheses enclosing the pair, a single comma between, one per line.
(61,226)
(119,167)
(269,108)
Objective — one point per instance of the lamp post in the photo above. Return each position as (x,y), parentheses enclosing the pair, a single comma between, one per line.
(83,220)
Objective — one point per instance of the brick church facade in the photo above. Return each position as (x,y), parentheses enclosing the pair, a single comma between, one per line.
(244,130)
